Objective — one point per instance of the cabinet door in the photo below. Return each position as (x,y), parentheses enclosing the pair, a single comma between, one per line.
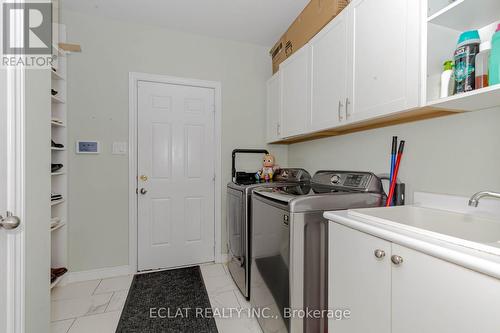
(329,68)
(359,281)
(296,92)
(384,57)
(273,108)
(433,295)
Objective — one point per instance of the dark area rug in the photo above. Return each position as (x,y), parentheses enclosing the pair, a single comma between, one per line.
(159,302)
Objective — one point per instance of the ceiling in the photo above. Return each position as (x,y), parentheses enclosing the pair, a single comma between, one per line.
(254,21)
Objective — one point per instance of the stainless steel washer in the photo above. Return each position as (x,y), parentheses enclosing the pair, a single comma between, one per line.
(239,222)
(290,244)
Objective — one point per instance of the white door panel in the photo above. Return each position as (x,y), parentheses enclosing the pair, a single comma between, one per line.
(296,92)
(385,57)
(176,154)
(358,281)
(273,108)
(329,75)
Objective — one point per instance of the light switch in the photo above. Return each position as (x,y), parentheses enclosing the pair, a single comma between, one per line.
(119,148)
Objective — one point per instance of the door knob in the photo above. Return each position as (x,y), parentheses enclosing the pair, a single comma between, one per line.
(397,260)
(143,191)
(9,222)
(379,254)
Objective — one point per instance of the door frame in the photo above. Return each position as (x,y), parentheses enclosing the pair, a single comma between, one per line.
(14,110)
(134,79)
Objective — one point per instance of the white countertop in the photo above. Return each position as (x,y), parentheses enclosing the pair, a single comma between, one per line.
(429,227)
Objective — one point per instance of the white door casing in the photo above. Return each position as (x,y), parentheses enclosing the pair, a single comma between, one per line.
(176,152)
(12,282)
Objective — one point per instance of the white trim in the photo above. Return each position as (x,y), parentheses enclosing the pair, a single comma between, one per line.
(95,274)
(15,125)
(134,78)
(223,258)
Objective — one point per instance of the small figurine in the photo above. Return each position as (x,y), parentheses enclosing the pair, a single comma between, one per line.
(268,169)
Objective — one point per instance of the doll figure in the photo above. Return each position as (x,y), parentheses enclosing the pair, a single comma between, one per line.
(269,168)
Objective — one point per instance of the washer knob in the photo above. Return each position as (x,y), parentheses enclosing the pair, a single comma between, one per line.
(335,179)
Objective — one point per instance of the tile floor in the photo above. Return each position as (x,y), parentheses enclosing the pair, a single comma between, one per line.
(95,306)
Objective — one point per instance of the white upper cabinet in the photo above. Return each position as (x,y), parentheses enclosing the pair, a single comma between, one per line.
(273,108)
(329,75)
(384,57)
(296,93)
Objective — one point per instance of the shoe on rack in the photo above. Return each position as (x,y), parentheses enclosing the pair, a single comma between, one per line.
(58,272)
(56,167)
(56,145)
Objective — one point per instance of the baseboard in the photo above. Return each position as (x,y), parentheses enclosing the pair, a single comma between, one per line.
(222,258)
(96,274)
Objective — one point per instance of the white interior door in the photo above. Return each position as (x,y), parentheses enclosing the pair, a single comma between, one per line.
(175,175)
(3,204)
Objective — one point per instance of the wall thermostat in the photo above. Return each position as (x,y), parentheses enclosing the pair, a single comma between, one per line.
(88,147)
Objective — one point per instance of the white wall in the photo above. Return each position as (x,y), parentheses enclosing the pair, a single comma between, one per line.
(98,109)
(458,154)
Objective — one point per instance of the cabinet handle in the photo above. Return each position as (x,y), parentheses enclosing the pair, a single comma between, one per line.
(347,102)
(379,254)
(339,109)
(397,260)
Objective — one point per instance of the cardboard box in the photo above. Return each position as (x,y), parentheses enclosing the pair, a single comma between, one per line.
(310,21)
(278,53)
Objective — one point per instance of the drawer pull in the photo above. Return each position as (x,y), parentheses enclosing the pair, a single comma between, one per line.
(397,260)
(379,254)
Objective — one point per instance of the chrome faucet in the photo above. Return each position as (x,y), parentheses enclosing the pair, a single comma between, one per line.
(474,200)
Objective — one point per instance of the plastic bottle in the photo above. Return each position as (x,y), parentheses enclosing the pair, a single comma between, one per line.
(482,65)
(447,82)
(465,60)
(495,58)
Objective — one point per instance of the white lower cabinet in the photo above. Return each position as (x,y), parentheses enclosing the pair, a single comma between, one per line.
(419,293)
(358,281)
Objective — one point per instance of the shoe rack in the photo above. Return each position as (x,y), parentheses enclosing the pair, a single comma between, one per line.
(59,178)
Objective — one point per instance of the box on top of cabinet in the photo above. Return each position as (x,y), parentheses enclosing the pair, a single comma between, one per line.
(310,21)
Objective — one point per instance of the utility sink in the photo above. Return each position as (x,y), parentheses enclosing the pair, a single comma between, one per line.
(467,230)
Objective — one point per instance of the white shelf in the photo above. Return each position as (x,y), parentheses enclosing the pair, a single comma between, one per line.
(58,149)
(463,15)
(57,281)
(58,173)
(56,124)
(58,51)
(479,99)
(57,100)
(58,226)
(56,75)
(57,202)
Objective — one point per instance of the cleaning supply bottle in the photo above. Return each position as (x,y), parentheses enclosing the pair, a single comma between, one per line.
(465,61)
(495,58)
(482,65)
(447,81)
